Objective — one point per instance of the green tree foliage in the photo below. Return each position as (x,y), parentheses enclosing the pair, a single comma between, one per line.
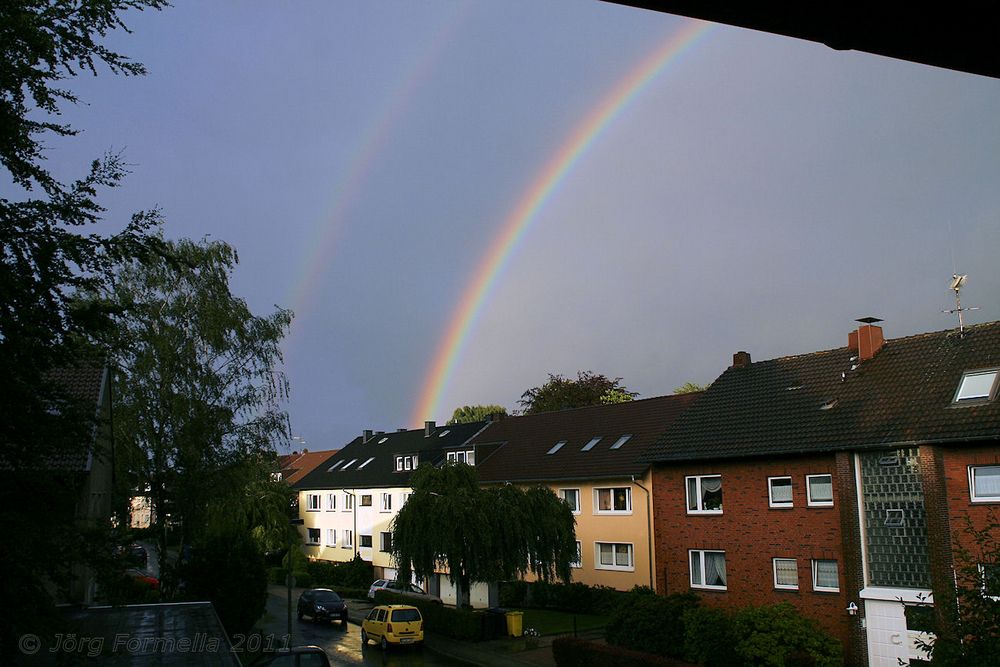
(200,389)
(228,569)
(560,393)
(690,388)
(47,254)
(651,623)
(254,503)
(481,534)
(475,413)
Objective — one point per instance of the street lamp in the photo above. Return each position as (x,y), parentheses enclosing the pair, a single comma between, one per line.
(289,579)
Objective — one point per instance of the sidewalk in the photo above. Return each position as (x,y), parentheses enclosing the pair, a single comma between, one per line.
(493,653)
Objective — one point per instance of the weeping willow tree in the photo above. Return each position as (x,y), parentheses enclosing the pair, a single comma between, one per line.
(481,534)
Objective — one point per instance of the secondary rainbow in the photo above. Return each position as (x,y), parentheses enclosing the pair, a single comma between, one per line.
(526,211)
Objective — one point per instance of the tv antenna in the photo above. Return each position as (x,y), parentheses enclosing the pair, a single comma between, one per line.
(957,283)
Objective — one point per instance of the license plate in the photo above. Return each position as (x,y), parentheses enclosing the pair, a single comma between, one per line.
(406,640)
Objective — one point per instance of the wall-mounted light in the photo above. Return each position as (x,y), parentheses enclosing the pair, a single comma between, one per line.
(852,609)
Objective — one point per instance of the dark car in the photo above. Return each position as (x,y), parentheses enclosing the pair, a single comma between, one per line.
(134,554)
(322,604)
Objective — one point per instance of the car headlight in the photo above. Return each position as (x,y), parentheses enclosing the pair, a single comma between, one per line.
(320,607)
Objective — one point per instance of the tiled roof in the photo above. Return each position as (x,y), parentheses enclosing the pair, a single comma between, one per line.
(86,383)
(524,441)
(302,464)
(904,395)
(382,449)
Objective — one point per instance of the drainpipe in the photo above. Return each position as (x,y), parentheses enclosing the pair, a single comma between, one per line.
(649,532)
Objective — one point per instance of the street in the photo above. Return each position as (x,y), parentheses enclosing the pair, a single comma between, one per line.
(342,644)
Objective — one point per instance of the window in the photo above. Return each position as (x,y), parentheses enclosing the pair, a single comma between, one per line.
(613,500)
(614,556)
(704,494)
(405,497)
(825,576)
(468,457)
(334,466)
(779,491)
(406,462)
(313,502)
(572,498)
(708,569)
(366,541)
(366,500)
(556,447)
(621,441)
(369,460)
(331,537)
(313,536)
(348,465)
(977,386)
(348,502)
(386,504)
(578,559)
(819,490)
(984,484)
(786,574)
(590,445)
(385,542)
(331,502)
(444,433)
(990,573)
(348,539)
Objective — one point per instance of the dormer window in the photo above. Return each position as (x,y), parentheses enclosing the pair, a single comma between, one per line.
(404,463)
(977,386)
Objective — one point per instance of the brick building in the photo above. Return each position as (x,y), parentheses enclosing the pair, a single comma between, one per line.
(836,481)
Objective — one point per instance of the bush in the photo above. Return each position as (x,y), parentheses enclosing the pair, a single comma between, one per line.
(355,573)
(457,623)
(228,569)
(303,579)
(569,652)
(708,637)
(574,597)
(651,623)
(276,575)
(513,593)
(770,634)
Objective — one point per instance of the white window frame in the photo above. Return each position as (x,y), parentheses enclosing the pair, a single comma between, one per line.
(314,502)
(331,537)
(982,580)
(779,504)
(699,497)
(404,497)
(361,541)
(611,490)
(978,398)
(973,497)
(331,502)
(406,463)
(381,541)
(348,502)
(701,572)
(576,492)
(348,541)
(777,584)
(386,502)
(309,537)
(578,563)
(818,503)
(815,568)
(630,550)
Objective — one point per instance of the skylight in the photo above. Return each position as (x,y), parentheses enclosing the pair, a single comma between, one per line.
(977,385)
(334,466)
(366,463)
(621,441)
(590,445)
(444,433)
(348,465)
(556,447)
(382,440)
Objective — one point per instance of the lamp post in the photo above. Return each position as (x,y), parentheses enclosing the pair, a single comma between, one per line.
(289,579)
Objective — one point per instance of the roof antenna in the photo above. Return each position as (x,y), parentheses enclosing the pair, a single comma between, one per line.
(957,283)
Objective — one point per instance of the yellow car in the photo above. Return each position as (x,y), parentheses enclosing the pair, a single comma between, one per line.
(393,624)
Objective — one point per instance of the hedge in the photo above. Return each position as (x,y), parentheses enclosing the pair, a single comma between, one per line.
(575,597)
(569,652)
(456,623)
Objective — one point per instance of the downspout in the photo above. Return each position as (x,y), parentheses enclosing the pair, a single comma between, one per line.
(649,532)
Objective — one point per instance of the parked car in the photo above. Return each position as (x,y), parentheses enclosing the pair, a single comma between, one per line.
(143,577)
(401,588)
(134,554)
(322,604)
(393,624)
(297,656)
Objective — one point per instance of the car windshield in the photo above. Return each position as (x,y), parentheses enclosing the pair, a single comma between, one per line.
(327,596)
(405,615)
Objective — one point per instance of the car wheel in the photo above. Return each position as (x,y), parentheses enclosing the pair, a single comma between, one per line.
(364,637)
(343,621)
(384,644)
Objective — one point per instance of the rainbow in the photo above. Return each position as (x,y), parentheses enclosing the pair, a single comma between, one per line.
(476,295)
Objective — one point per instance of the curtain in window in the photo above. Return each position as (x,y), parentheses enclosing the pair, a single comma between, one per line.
(826,574)
(715,568)
(711,493)
(604,499)
(987,481)
(607,554)
(821,488)
(785,573)
(781,490)
(622,555)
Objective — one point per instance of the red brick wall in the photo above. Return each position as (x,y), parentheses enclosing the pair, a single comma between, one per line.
(752,533)
(956,473)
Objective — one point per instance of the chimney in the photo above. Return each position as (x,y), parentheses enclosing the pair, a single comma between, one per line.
(495,417)
(401,430)
(741,359)
(428,428)
(366,435)
(867,340)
